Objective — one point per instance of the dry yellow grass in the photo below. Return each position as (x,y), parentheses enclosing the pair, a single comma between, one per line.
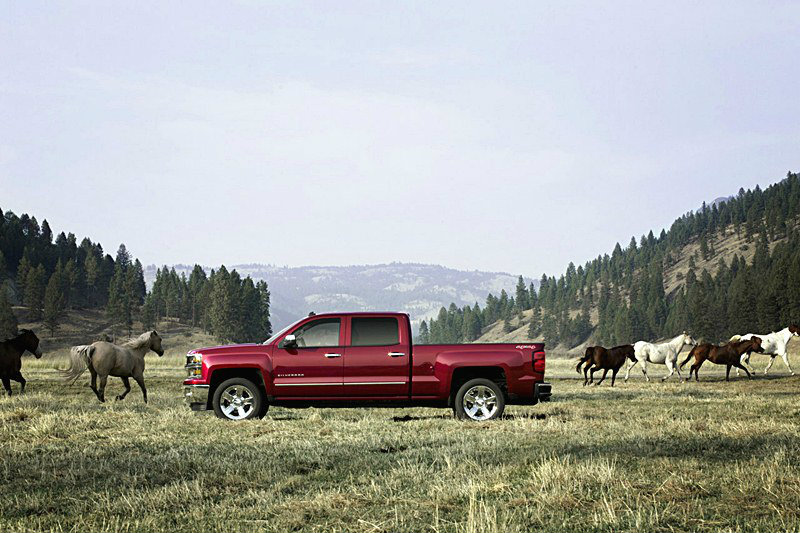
(658,457)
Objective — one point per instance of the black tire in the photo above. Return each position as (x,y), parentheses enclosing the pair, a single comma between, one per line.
(492,406)
(249,396)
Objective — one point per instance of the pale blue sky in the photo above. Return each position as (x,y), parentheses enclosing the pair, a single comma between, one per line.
(496,136)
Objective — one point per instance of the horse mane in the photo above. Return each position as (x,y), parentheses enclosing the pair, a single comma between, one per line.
(139,342)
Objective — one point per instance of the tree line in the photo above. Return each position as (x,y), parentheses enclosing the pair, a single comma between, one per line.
(622,297)
(50,276)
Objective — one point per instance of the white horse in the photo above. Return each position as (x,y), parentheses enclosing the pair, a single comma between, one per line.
(665,353)
(774,345)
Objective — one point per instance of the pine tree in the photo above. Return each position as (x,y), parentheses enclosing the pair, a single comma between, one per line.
(22,276)
(471,328)
(148,313)
(34,291)
(248,328)
(523,298)
(8,321)
(134,295)
(197,282)
(54,301)
(123,258)
(138,289)
(118,306)
(704,250)
(265,324)
(532,329)
(623,326)
(93,269)
(424,335)
(223,310)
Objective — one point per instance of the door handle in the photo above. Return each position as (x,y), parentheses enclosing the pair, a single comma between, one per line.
(332,355)
(396,354)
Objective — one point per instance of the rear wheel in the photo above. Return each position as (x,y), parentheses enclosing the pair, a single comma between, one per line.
(239,399)
(479,399)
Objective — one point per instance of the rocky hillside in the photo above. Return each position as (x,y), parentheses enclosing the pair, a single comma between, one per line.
(726,244)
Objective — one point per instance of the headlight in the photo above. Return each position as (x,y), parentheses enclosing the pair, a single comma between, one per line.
(194,365)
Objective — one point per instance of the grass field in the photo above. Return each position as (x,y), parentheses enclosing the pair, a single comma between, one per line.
(705,456)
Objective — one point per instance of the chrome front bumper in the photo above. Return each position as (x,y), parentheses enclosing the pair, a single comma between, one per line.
(196,396)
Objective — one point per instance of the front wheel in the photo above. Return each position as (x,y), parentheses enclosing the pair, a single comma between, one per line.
(239,399)
(479,399)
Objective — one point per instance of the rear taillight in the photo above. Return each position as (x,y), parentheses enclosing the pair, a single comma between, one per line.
(538,362)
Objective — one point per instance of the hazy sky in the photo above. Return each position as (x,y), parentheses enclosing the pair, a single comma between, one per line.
(496,136)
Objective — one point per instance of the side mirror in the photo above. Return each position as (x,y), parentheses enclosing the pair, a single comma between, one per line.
(289,341)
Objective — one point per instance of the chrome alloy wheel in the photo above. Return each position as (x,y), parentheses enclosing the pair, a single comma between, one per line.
(480,403)
(237,402)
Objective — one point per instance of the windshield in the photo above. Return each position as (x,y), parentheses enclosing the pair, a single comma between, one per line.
(281,332)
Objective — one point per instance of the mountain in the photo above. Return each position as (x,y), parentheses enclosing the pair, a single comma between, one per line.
(417,289)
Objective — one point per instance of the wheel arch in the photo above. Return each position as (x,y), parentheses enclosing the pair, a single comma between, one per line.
(219,375)
(465,373)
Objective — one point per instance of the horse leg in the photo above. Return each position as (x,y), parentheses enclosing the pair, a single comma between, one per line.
(678,370)
(586,374)
(739,365)
(644,370)
(591,375)
(605,371)
(745,361)
(628,369)
(671,369)
(127,383)
(19,379)
(101,392)
(7,385)
(785,357)
(140,381)
(728,373)
(614,375)
(93,384)
(769,365)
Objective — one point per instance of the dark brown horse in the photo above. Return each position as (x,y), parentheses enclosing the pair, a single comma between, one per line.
(728,354)
(599,358)
(11,351)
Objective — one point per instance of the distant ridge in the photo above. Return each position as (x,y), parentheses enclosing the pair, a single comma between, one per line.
(415,288)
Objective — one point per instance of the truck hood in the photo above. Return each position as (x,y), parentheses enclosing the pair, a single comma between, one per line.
(231,349)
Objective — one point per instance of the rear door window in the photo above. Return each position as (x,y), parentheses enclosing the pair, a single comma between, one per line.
(374,331)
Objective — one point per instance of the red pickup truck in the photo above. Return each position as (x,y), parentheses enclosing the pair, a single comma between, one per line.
(346,359)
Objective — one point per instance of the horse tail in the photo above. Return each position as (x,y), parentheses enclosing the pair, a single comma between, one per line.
(584,359)
(79,359)
(691,354)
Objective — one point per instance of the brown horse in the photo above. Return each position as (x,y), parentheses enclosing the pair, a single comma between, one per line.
(105,359)
(11,351)
(599,358)
(728,354)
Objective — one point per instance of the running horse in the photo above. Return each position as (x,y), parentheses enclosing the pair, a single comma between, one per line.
(774,344)
(599,358)
(728,354)
(665,353)
(104,359)
(11,351)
